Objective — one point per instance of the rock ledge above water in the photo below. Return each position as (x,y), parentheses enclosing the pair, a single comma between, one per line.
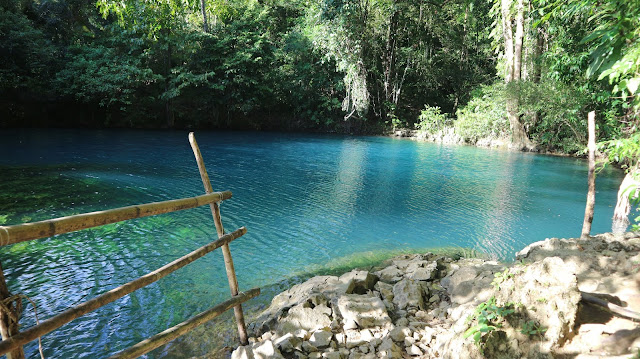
(420,306)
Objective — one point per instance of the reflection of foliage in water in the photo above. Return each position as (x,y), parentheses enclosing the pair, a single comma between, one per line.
(30,194)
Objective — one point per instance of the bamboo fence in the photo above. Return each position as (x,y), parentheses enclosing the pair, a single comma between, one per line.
(10,306)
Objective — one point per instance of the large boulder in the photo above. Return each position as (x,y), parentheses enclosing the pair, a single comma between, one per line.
(358,282)
(408,293)
(316,291)
(543,295)
(390,274)
(363,311)
(422,270)
(471,281)
(259,350)
(304,317)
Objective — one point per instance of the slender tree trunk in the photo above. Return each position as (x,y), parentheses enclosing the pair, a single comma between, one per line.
(629,188)
(591,194)
(203,9)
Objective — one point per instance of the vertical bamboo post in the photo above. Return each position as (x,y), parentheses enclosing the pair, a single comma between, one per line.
(9,326)
(591,195)
(228,261)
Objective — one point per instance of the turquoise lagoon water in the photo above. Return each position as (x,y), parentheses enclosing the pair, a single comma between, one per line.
(311,204)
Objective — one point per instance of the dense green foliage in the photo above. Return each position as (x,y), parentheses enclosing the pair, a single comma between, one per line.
(348,66)
(432,120)
(559,83)
(484,115)
(355,66)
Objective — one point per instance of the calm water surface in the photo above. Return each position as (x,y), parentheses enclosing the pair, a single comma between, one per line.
(311,203)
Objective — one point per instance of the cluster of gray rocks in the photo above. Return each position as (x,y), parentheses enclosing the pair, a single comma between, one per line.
(419,306)
(448,136)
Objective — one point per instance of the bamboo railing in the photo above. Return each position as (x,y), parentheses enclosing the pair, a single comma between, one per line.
(10,306)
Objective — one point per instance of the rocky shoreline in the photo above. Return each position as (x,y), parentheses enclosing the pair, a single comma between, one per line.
(448,136)
(434,306)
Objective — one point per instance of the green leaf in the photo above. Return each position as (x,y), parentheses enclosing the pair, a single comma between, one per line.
(632,85)
(477,337)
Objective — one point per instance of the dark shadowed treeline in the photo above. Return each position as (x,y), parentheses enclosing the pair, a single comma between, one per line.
(346,66)
(526,70)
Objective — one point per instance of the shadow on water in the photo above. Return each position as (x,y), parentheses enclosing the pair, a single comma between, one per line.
(35,193)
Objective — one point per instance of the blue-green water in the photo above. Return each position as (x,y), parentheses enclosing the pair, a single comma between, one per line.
(310,203)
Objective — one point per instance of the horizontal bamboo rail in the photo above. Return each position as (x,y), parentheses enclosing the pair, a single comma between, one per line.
(170,334)
(70,314)
(48,228)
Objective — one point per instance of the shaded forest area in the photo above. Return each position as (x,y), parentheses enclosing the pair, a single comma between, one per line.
(339,66)
(525,69)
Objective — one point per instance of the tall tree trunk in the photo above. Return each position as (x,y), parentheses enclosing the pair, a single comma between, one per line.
(390,56)
(203,10)
(507,34)
(537,66)
(513,56)
(629,188)
(519,38)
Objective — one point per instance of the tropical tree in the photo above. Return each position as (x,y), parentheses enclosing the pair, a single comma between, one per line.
(616,57)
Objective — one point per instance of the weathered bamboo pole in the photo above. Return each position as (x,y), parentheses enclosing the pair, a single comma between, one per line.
(9,326)
(70,314)
(615,309)
(29,231)
(591,195)
(170,334)
(228,261)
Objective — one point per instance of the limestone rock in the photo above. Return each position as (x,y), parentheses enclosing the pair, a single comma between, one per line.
(266,350)
(461,275)
(399,333)
(305,318)
(472,282)
(414,350)
(354,338)
(259,350)
(314,291)
(389,349)
(358,282)
(362,311)
(332,355)
(390,274)
(554,281)
(421,270)
(287,343)
(244,352)
(408,293)
(308,347)
(321,338)
(385,289)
